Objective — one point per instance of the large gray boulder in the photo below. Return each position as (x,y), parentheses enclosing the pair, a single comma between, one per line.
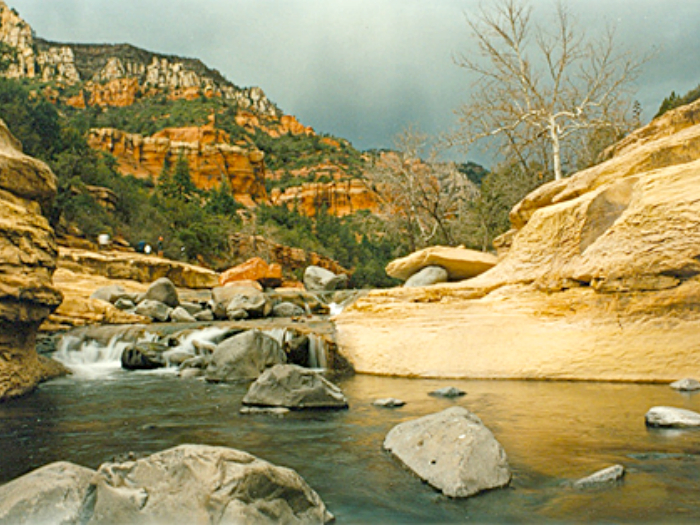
(672,417)
(221,298)
(244,356)
(203,484)
(53,493)
(154,309)
(163,290)
(293,386)
(427,276)
(317,279)
(452,451)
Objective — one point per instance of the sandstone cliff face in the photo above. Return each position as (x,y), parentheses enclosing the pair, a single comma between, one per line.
(339,198)
(600,280)
(27,261)
(208,152)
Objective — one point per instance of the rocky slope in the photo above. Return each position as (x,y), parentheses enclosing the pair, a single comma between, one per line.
(600,280)
(27,262)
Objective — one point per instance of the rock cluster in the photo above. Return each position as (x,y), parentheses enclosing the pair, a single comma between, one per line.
(182,485)
(27,261)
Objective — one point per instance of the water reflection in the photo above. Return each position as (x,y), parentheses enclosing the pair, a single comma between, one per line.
(553,432)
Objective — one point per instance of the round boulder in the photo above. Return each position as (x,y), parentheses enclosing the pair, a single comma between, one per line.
(163,290)
(317,279)
(244,356)
(452,451)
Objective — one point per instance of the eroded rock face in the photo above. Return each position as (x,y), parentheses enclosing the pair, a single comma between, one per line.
(599,280)
(27,261)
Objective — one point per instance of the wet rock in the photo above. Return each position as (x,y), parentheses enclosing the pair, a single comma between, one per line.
(452,451)
(176,357)
(663,416)
(203,484)
(317,279)
(293,386)
(180,315)
(221,296)
(448,391)
(389,402)
(163,290)
(287,309)
(244,356)
(427,276)
(198,361)
(686,385)
(189,373)
(602,477)
(143,356)
(53,493)
(154,309)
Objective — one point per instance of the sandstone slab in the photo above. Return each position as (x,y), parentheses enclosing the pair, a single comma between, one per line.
(460,263)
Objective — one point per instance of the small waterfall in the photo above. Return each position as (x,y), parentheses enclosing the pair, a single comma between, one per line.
(90,359)
(317,346)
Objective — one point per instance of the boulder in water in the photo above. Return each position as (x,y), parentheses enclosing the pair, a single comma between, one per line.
(54,493)
(686,385)
(244,356)
(452,451)
(662,416)
(388,402)
(448,391)
(143,356)
(602,477)
(293,386)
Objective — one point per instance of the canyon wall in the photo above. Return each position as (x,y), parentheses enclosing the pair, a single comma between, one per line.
(27,261)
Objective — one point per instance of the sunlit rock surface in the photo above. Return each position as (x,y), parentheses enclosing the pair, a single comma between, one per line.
(601,280)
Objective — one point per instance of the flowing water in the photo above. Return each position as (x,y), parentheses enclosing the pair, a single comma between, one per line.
(553,432)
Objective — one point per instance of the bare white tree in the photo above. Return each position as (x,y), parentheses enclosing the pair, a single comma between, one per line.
(536,84)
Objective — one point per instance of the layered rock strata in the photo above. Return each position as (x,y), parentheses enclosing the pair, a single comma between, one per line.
(27,261)
(600,280)
(339,198)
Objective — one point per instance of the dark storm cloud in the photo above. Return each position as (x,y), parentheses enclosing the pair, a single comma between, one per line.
(361,69)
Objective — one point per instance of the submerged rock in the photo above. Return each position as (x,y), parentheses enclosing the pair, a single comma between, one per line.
(452,451)
(143,356)
(54,493)
(448,391)
(244,356)
(602,477)
(389,402)
(663,416)
(293,386)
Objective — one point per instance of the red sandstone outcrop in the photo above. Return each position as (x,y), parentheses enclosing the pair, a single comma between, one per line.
(27,262)
(208,151)
(339,198)
(599,280)
(254,269)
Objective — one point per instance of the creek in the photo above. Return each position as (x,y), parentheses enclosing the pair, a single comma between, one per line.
(553,433)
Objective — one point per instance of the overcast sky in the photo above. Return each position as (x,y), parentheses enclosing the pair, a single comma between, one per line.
(361,69)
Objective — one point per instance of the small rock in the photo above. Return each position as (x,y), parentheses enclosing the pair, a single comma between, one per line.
(686,385)
(448,391)
(180,315)
(204,315)
(388,402)
(287,309)
(154,309)
(607,475)
(672,417)
(192,308)
(427,276)
(317,279)
(188,373)
(110,293)
(124,304)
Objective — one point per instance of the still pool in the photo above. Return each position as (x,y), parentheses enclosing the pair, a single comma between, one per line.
(553,433)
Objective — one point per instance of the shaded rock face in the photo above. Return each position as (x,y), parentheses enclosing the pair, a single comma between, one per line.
(452,451)
(599,279)
(27,262)
(243,357)
(293,386)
